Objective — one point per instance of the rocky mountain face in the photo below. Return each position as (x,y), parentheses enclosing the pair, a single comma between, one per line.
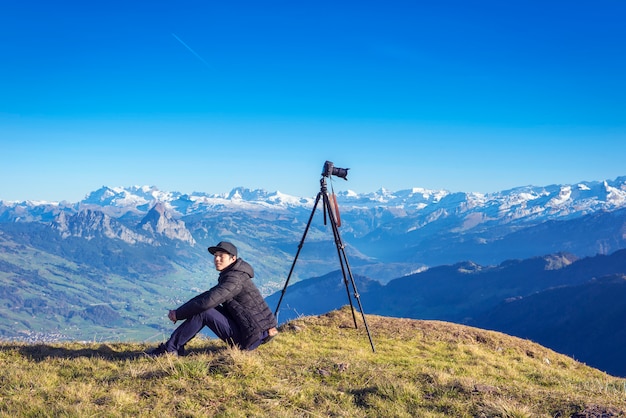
(88,224)
(160,222)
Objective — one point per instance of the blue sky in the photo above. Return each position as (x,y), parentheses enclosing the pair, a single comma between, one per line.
(475,96)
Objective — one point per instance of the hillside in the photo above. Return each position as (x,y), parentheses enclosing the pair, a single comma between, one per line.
(317,366)
(573,320)
(570,305)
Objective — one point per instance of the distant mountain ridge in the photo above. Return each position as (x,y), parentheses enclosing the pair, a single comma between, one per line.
(527,202)
(371,215)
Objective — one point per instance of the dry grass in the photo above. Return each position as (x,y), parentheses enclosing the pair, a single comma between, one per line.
(317,367)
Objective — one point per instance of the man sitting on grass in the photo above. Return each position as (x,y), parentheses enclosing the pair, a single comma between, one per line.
(233,309)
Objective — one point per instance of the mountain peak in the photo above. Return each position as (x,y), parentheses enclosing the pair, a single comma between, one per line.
(159,221)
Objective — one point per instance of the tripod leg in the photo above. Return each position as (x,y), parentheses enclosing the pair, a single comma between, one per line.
(306,230)
(339,246)
(343,261)
(358,299)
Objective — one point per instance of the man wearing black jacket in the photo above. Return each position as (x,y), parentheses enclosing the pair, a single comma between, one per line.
(233,309)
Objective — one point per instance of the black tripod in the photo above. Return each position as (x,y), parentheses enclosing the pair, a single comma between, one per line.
(343,258)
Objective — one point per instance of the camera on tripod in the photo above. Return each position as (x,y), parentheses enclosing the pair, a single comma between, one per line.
(323,196)
(330,169)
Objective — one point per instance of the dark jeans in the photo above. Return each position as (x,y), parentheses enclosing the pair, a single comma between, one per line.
(222,325)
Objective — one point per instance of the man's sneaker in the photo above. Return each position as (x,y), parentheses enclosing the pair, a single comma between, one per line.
(159,351)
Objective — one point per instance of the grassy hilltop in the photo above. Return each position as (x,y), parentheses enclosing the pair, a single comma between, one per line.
(316,367)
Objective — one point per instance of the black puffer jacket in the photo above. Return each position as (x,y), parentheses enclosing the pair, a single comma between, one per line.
(235,295)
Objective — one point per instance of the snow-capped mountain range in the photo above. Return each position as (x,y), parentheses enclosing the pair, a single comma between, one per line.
(418,227)
(521,203)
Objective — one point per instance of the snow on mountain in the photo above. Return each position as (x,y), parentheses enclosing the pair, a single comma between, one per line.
(135,198)
(238,199)
(615,196)
(514,205)
(399,202)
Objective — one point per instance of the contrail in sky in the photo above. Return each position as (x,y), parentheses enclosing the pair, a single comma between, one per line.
(191,50)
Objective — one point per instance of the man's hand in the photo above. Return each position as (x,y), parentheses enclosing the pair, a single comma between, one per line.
(172,315)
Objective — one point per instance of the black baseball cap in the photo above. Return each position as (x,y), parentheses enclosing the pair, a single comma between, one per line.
(225,246)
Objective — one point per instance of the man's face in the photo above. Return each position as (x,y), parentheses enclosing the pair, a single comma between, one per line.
(223,260)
